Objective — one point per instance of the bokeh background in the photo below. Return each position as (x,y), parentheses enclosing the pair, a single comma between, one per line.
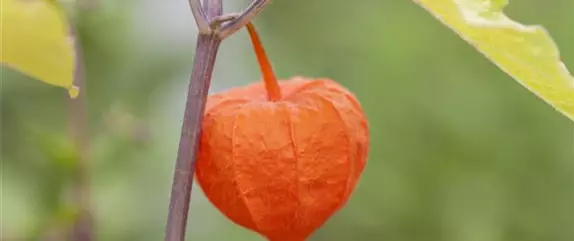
(460,151)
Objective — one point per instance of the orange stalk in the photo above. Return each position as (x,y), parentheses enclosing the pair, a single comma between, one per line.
(271,84)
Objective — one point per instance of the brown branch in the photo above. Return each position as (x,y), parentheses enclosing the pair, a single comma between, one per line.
(199,16)
(243,18)
(82,227)
(203,63)
(208,41)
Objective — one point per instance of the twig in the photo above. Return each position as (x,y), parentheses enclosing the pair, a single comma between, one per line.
(245,17)
(203,63)
(201,19)
(208,42)
(82,227)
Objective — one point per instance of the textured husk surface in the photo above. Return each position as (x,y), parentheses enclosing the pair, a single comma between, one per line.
(282,168)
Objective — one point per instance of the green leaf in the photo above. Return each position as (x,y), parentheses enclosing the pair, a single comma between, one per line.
(527,53)
(34,40)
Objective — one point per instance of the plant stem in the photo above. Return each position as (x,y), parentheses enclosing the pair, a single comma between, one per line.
(82,227)
(203,63)
(244,18)
(206,50)
(199,16)
(208,41)
(273,90)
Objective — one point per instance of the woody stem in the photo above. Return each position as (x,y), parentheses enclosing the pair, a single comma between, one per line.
(82,227)
(271,84)
(209,18)
(243,18)
(206,51)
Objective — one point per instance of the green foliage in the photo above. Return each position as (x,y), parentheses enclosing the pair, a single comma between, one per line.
(527,53)
(35,40)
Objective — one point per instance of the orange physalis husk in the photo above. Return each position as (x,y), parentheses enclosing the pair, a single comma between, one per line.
(280,159)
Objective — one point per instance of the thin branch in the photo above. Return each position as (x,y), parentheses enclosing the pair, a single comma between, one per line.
(217,21)
(82,227)
(205,54)
(200,80)
(243,19)
(199,15)
(208,42)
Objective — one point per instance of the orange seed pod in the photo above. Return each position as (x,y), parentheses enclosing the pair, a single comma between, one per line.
(280,159)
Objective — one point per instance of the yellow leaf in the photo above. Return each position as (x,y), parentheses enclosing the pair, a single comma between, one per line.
(34,40)
(527,53)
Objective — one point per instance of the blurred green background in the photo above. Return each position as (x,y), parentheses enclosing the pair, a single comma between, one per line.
(459,152)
